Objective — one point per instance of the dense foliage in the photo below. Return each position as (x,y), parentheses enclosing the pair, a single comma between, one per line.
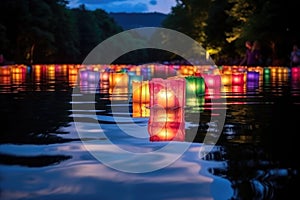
(222,26)
(47,31)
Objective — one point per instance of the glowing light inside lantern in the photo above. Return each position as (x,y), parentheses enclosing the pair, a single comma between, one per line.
(166,98)
(140,92)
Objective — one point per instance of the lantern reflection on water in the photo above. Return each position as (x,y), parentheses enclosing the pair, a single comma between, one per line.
(166,124)
(196,103)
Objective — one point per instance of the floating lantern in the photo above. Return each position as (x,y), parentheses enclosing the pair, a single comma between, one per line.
(185,70)
(140,92)
(118,80)
(167,93)
(212,80)
(238,79)
(104,76)
(166,124)
(226,79)
(133,78)
(4,71)
(18,74)
(195,86)
(252,76)
(295,73)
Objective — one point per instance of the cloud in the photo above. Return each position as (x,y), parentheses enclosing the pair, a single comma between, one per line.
(153,2)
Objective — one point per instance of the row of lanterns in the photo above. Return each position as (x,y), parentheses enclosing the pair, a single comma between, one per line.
(164,100)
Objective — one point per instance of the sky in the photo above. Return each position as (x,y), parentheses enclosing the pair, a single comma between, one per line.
(161,6)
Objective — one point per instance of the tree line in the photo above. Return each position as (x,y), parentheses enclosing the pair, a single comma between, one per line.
(223,26)
(47,31)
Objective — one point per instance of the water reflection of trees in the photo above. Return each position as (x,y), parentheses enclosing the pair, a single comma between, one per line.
(253,174)
(261,158)
(32,161)
(35,117)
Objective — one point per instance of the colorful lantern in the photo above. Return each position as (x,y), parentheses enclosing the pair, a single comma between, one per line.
(252,80)
(133,78)
(167,93)
(140,110)
(140,92)
(118,80)
(104,77)
(226,79)
(212,80)
(252,76)
(195,86)
(238,79)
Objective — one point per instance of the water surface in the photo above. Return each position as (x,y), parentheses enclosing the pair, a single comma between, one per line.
(46,155)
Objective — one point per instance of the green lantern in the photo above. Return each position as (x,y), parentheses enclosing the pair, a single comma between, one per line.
(195,86)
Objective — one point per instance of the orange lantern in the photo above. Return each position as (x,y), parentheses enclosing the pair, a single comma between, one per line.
(226,79)
(140,92)
(140,110)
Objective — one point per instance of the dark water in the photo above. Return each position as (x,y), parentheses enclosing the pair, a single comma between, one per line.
(42,156)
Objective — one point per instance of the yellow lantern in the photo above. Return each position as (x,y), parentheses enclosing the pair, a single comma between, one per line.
(140,110)
(140,92)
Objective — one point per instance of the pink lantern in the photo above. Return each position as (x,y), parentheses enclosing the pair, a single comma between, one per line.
(167,93)
(212,80)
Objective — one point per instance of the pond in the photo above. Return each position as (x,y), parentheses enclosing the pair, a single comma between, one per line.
(64,135)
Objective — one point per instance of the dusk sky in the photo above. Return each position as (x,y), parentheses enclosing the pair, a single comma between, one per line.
(162,6)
